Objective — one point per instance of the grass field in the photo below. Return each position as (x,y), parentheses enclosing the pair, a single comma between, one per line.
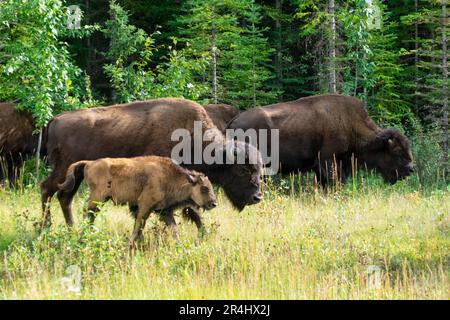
(364,241)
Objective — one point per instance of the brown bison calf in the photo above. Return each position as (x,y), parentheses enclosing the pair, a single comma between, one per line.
(146,184)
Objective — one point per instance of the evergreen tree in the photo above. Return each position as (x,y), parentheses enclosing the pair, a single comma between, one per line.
(431,78)
(245,66)
(314,29)
(386,104)
(292,66)
(227,35)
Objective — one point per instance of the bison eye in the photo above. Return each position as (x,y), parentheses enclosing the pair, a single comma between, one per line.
(204,189)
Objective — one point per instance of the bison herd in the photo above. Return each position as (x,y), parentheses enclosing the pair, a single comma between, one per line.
(316,133)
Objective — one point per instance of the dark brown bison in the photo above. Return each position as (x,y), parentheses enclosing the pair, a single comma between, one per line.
(323,132)
(17,141)
(221,114)
(147,184)
(143,128)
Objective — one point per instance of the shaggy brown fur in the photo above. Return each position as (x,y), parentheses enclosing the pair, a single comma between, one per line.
(17,141)
(146,184)
(318,132)
(221,114)
(138,129)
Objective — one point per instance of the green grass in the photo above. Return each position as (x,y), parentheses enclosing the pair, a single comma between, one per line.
(299,243)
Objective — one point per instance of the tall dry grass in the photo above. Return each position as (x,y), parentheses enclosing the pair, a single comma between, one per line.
(364,240)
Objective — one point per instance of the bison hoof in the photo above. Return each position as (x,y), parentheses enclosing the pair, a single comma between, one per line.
(43,225)
(202,232)
(131,246)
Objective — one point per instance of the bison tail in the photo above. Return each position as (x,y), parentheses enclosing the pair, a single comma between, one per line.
(74,173)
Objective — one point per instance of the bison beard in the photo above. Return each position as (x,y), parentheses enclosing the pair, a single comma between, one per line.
(137,129)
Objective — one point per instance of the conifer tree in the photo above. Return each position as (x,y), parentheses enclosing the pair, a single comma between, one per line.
(228,36)
(432,66)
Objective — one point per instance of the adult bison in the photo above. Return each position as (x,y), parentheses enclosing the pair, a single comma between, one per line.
(221,114)
(143,128)
(17,141)
(323,132)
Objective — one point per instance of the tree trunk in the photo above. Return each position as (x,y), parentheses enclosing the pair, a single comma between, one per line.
(445,85)
(254,79)
(332,44)
(38,155)
(278,57)
(416,56)
(88,44)
(214,56)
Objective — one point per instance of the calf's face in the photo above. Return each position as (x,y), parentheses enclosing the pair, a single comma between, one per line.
(203,192)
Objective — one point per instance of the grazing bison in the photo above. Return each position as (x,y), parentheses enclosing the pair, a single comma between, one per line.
(17,141)
(318,132)
(146,184)
(138,129)
(221,114)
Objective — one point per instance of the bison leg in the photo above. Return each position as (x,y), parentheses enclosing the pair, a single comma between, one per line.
(48,188)
(133,210)
(7,167)
(331,171)
(65,200)
(90,213)
(321,177)
(169,220)
(12,174)
(194,216)
(139,224)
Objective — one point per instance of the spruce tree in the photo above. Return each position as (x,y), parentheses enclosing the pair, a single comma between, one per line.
(245,67)
(431,78)
(228,36)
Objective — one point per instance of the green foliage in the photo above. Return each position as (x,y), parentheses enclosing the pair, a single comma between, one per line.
(36,69)
(246,72)
(428,160)
(231,32)
(300,241)
(386,104)
(313,14)
(358,51)
(177,75)
(425,81)
(131,71)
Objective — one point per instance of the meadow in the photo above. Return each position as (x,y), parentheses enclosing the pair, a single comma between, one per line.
(364,240)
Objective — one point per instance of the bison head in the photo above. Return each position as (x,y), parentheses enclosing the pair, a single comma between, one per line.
(390,154)
(202,190)
(241,181)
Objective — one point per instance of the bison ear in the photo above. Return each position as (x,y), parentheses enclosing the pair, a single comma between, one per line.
(383,139)
(193,179)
